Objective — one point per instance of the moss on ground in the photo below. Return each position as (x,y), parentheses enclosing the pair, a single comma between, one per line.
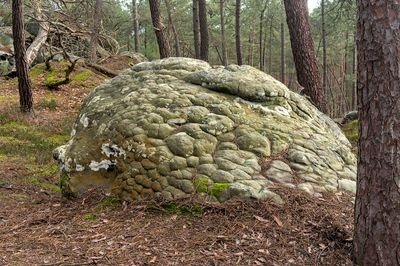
(351,131)
(173,208)
(90,217)
(218,188)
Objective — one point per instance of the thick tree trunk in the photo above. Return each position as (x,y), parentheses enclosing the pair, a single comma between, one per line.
(303,51)
(354,72)
(223,37)
(41,37)
(196,28)
(135,18)
(204,41)
(324,56)
(158,26)
(174,32)
(94,38)
(24,83)
(377,209)
(239,56)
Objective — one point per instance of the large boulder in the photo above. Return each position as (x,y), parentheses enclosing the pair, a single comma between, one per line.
(177,127)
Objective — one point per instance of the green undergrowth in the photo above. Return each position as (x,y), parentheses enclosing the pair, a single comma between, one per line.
(109,202)
(351,131)
(89,217)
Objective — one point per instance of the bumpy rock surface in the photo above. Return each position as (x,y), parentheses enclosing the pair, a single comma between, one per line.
(176,127)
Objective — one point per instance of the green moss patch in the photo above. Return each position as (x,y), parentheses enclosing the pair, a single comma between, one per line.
(90,217)
(351,131)
(218,188)
(201,184)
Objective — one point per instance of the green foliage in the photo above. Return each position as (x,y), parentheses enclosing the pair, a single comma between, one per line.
(201,184)
(42,184)
(109,202)
(90,217)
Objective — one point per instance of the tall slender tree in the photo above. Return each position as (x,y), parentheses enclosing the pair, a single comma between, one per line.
(204,39)
(260,37)
(223,35)
(172,25)
(283,65)
(135,18)
(303,51)
(377,209)
(196,28)
(96,25)
(163,44)
(238,41)
(24,83)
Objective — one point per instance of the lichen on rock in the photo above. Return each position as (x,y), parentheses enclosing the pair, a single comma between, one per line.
(176,127)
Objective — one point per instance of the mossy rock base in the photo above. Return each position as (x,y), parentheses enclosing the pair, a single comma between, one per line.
(176,127)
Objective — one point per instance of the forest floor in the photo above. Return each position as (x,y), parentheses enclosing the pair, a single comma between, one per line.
(38,227)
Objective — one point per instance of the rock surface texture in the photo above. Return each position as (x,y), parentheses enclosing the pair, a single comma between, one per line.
(177,127)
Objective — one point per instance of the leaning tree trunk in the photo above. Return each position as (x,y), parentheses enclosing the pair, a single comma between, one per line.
(94,38)
(223,36)
(135,18)
(303,51)
(204,41)
(260,37)
(196,28)
(158,26)
(377,209)
(24,83)
(174,31)
(239,56)
(41,37)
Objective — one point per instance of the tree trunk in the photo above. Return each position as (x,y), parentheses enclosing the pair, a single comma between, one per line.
(303,51)
(324,57)
(354,72)
(223,37)
(250,57)
(174,32)
(94,39)
(239,56)
(204,42)
(260,37)
(158,26)
(377,209)
(41,37)
(270,48)
(282,49)
(135,25)
(24,83)
(196,28)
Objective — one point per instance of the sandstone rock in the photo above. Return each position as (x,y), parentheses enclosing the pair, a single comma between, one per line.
(177,126)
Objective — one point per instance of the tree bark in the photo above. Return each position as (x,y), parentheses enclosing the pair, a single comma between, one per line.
(223,36)
(303,51)
(41,37)
(196,28)
(282,49)
(377,209)
(158,26)
(324,56)
(135,18)
(94,39)
(260,39)
(239,56)
(24,83)
(354,72)
(204,41)
(174,32)
(270,48)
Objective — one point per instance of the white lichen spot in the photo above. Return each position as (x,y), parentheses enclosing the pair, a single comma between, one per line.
(112,150)
(281,110)
(104,164)
(73,132)
(79,168)
(84,121)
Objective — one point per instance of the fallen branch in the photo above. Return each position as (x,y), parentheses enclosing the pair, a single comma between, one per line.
(103,70)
